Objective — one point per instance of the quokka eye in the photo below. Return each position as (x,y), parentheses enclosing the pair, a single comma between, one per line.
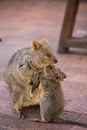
(57,77)
(50,67)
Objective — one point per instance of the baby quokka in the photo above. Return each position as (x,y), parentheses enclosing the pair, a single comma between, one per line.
(52,101)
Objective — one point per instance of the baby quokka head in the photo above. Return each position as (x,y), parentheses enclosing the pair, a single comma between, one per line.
(42,54)
(53,73)
(60,76)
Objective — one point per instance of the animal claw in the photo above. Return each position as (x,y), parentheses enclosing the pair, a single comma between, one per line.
(21,115)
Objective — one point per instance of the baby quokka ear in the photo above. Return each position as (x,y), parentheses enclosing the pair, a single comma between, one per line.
(36,45)
(64,75)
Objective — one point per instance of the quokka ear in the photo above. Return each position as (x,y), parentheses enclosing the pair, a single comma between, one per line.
(44,41)
(64,75)
(36,45)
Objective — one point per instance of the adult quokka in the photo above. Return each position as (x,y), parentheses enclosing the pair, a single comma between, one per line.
(23,65)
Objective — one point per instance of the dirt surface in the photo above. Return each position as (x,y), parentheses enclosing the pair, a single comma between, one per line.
(20,23)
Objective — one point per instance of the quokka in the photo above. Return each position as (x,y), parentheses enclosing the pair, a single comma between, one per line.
(23,65)
(52,101)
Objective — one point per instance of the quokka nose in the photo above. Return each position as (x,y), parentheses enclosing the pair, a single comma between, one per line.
(55,61)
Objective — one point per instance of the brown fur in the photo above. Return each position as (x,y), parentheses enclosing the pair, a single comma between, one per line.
(23,64)
(52,101)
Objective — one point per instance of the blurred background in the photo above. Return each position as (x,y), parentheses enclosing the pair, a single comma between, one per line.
(23,21)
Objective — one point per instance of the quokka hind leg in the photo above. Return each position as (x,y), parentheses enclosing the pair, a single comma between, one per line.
(18,103)
(42,120)
(19,110)
(38,120)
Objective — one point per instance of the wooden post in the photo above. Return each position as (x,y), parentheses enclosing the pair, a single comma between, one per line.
(68,24)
